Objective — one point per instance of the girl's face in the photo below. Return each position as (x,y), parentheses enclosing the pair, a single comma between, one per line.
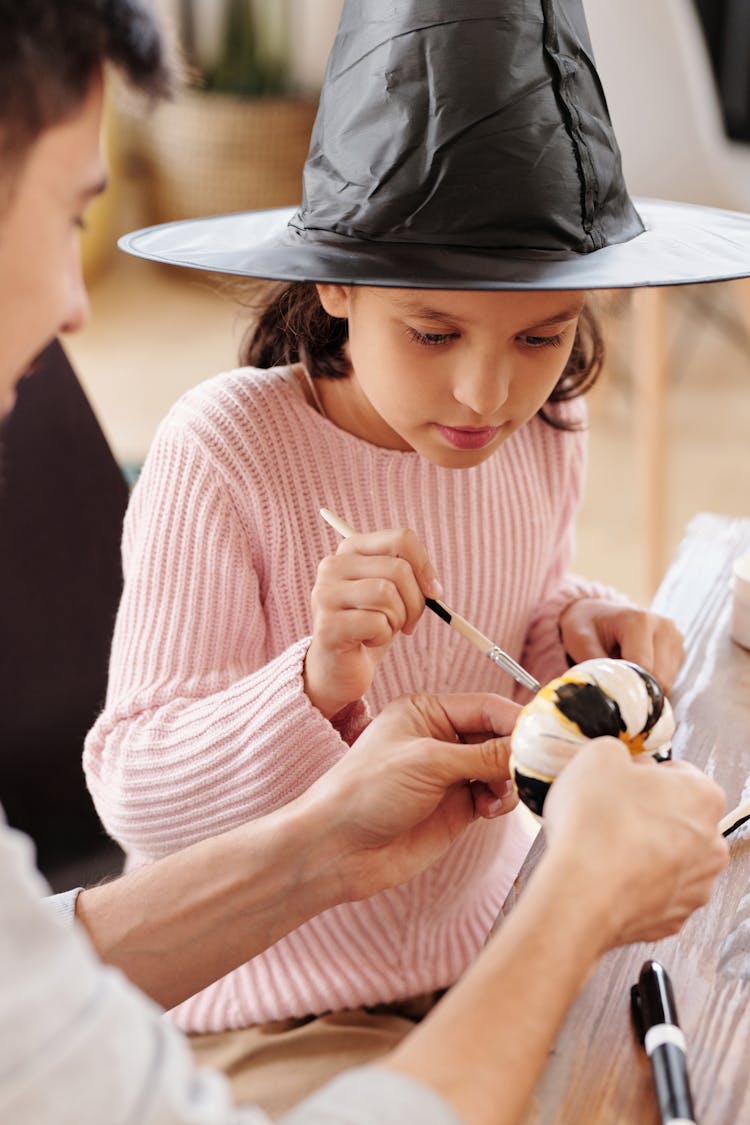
(450,374)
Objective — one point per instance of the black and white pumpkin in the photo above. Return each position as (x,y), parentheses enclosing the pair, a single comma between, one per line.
(598,697)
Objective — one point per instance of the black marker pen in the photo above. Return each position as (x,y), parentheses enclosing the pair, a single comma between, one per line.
(655,1020)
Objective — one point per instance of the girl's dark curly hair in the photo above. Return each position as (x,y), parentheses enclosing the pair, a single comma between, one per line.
(293,327)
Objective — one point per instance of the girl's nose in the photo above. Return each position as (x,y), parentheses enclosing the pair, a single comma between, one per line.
(484,388)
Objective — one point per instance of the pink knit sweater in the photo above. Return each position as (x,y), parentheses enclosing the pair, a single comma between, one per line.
(206,723)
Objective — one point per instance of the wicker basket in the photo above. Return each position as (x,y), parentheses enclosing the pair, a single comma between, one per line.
(212,153)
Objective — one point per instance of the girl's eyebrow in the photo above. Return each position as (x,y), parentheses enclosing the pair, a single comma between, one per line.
(425,312)
(560,317)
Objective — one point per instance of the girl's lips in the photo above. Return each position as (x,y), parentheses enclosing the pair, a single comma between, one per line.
(468,437)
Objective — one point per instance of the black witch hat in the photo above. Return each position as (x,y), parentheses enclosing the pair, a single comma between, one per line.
(463,145)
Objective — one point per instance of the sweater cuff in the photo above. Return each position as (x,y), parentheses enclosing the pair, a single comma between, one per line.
(544,654)
(351,720)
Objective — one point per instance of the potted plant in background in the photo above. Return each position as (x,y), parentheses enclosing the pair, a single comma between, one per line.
(237,136)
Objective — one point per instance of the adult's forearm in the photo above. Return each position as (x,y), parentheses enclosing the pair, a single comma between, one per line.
(181,923)
(484,1046)
(385,812)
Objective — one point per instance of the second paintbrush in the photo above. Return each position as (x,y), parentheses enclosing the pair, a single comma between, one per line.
(456,621)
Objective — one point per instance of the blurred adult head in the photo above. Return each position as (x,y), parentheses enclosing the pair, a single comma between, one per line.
(53,57)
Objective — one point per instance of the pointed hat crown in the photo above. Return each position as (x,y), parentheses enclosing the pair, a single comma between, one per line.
(479,124)
(463,144)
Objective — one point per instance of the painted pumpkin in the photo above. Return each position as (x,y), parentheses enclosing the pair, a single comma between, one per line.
(597,697)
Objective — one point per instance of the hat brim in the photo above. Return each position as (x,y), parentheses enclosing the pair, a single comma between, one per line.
(682,244)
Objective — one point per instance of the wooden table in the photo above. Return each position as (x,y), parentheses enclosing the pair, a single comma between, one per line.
(597,1074)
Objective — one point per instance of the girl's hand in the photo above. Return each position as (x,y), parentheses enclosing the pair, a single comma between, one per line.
(372,588)
(593,627)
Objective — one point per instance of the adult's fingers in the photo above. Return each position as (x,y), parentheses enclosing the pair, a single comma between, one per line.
(709,796)
(495,799)
(478,713)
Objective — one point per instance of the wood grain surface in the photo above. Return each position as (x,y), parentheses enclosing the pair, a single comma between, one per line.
(597,1073)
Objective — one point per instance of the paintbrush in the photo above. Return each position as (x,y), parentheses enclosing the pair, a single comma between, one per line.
(457,622)
(732,821)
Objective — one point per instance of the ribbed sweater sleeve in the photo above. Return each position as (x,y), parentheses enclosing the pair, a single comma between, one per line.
(201,730)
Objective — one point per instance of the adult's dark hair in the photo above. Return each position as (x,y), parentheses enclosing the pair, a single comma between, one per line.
(293,327)
(49,51)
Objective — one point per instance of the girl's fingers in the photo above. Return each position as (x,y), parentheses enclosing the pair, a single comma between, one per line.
(636,637)
(579,627)
(599,628)
(656,644)
(364,596)
(371,582)
(584,643)
(669,654)
(371,628)
(401,544)
(349,628)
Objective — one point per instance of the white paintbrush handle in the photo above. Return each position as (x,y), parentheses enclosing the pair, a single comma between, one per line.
(336,522)
(484,644)
(735,818)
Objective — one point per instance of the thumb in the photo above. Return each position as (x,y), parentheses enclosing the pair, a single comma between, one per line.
(486,761)
(479,714)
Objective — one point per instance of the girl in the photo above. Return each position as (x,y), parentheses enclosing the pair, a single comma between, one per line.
(229,693)
(419,374)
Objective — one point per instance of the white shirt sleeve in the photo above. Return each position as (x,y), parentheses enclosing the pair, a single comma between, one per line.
(371,1096)
(80,1045)
(63,905)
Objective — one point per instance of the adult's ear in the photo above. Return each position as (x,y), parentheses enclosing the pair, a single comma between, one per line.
(335,299)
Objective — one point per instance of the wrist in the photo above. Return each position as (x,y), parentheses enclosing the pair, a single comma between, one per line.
(341,860)
(317,680)
(575,885)
(310,852)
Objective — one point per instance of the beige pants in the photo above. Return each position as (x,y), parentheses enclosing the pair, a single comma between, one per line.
(275,1065)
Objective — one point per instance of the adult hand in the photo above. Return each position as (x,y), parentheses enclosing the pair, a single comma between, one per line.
(373,588)
(421,772)
(632,850)
(592,627)
(638,840)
